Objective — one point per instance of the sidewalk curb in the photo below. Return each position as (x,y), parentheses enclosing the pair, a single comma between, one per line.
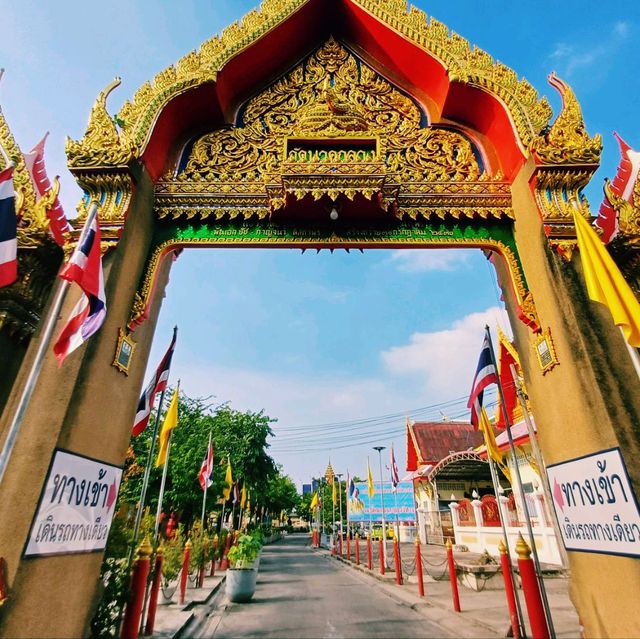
(193,623)
(423,608)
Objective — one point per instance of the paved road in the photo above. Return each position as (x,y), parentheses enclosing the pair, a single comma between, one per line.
(302,593)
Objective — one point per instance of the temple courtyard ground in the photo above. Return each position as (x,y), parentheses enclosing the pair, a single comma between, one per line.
(308,593)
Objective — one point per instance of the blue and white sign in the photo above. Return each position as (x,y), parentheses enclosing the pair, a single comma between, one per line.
(401,504)
(76,506)
(595,505)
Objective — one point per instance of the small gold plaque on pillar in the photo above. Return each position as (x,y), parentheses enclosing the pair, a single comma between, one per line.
(545,351)
(124,352)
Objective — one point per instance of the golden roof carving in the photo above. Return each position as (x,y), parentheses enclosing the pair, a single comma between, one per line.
(628,214)
(101,145)
(567,140)
(330,127)
(464,63)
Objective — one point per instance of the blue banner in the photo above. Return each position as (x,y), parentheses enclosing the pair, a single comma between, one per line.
(401,503)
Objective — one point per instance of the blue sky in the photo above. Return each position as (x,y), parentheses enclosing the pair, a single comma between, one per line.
(316,339)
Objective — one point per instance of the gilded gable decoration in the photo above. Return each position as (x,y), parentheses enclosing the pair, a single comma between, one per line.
(331,127)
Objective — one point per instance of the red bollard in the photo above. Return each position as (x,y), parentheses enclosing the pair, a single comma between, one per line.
(419,568)
(224,562)
(334,545)
(357,549)
(212,573)
(348,547)
(531,589)
(509,590)
(133,612)
(340,545)
(397,562)
(381,550)
(369,553)
(184,573)
(452,576)
(155,589)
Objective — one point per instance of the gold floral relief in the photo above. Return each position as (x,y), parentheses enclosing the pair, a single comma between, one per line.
(330,127)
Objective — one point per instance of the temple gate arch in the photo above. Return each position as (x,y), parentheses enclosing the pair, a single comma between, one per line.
(418,140)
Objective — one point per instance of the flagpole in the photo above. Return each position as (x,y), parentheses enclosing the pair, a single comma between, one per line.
(145,480)
(339,475)
(38,360)
(384,525)
(633,353)
(162,486)
(503,519)
(346,498)
(224,503)
(206,485)
(546,489)
(525,507)
(233,510)
(333,501)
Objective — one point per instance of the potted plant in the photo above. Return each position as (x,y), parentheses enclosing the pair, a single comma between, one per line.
(242,575)
(171,566)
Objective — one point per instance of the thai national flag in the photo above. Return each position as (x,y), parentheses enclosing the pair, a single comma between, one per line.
(157,384)
(486,374)
(85,269)
(204,476)
(8,224)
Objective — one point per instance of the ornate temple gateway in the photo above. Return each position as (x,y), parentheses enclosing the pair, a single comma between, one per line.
(337,124)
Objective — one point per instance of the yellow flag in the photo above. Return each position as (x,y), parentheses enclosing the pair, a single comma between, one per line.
(370,480)
(228,480)
(489,436)
(170,422)
(315,502)
(243,497)
(334,492)
(605,282)
(490,441)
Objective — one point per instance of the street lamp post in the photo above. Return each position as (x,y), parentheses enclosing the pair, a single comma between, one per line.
(384,527)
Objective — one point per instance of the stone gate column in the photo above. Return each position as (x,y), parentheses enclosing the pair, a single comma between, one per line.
(87,407)
(589,402)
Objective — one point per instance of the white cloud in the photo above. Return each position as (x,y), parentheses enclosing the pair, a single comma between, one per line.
(420,261)
(445,360)
(572,58)
(430,368)
(621,29)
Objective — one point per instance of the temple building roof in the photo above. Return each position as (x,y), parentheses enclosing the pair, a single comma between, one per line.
(430,442)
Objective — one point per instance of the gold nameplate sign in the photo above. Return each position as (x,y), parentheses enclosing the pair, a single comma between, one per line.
(124,352)
(545,351)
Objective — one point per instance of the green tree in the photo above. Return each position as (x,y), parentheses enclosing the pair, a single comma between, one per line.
(241,436)
(279,493)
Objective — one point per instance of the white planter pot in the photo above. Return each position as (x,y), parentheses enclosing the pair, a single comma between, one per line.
(241,584)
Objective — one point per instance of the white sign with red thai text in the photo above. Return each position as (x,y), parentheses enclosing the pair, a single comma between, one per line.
(76,506)
(595,504)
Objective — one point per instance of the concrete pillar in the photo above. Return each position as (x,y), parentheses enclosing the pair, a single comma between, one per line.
(86,407)
(477,512)
(589,402)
